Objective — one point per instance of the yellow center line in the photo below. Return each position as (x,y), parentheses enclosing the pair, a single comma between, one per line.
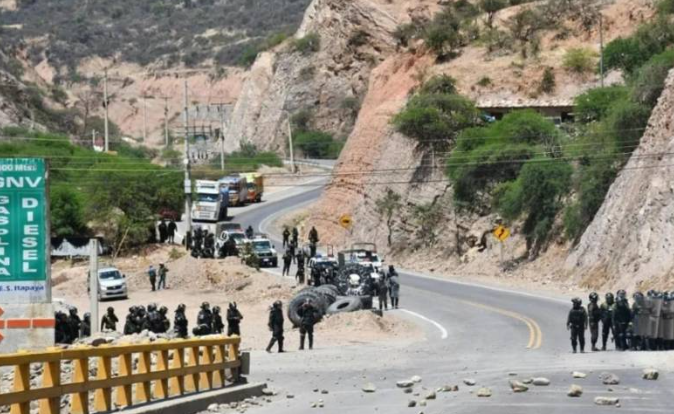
(535,333)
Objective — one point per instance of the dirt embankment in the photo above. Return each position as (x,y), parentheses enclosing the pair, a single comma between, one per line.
(192,281)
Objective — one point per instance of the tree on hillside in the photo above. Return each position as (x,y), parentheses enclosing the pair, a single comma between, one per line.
(387,207)
(491,7)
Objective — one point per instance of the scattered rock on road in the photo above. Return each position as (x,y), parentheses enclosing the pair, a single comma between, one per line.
(408,390)
(484,392)
(411,403)
(575,391)
(290,396)
(650,374)
(213,408)
(369,387)
(416,379)
(578,374)
(431,395)
(541,382)
(405,384)
(609,379)
(517,386)
(470,382)
(268,392)
(606,401)
(527,381)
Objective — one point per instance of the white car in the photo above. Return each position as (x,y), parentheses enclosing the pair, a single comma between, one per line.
(112,284)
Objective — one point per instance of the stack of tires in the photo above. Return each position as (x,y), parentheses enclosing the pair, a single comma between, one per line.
(321,298)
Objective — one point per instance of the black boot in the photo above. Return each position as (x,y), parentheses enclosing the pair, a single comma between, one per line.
(271,344)
(311,341)
(280,346)
(302,343)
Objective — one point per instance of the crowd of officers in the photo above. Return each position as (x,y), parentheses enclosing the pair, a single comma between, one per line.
(69,327)
(648,324)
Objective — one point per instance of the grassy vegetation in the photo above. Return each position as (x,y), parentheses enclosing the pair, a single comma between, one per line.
(171,31)
(119,196)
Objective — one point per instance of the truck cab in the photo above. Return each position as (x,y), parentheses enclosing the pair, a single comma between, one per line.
(255,185)
(237,189)
(211,201)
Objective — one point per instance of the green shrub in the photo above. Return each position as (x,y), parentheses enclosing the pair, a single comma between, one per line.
(665,7)
(311,43)
(649,80)
(301,120)
(548,83)
(248,56)
(439,84)
(67,212)
(484,81)
(317,144)
(594,104)
(628,54)
(626,122)
(491,7)
(537,194)
(434,120)
(579,60)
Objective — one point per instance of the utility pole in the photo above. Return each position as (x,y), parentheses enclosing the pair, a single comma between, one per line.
(222,138)
(144,117)
(290,139)
(106,103)
(93,138)
(188,182)
(601,48)
(166,129)
(93,284)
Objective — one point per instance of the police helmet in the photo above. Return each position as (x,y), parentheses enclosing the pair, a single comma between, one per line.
(111,309)
(181,308)
(609,296)
(594,297)
(278,304)
(216,309)
(163,310)
(576,301)
(87,315)
(621,293)
(152,307)
(205,305)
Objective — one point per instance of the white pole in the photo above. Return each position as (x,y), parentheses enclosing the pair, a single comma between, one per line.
(93,284)
(144,118)
(105,99)
(601,48)
(166,129)
(290,140)
(93,138)
(222,139)
(188,204)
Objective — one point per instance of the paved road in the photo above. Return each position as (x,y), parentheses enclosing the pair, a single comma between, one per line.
(472,331)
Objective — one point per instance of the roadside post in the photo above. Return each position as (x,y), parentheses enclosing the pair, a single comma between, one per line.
(26,310)
(501,233)
(93,284)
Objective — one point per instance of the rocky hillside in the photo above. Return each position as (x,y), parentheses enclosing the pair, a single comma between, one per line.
(377,161)
(329,82)
(629,243)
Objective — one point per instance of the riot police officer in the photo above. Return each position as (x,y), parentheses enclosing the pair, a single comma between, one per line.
(85,327)
(594,317)
(640,321)
(74,324)
(622,317)
(577,324)
(130,324)
(109,321)
(309,318)
(275,325)
(180,322)
(218,326)
(234,317)
(164,323)
(607,309)
(204,320)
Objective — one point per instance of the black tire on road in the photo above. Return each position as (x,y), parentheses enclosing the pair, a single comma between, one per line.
(296,303)
(345,304)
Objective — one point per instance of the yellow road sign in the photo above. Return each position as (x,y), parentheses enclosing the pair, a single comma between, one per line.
(346,221)
(501,233)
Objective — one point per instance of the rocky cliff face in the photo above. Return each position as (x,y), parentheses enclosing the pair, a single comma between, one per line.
(355,36)
(631,239)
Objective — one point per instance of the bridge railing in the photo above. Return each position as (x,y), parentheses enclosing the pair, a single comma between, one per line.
(133,374)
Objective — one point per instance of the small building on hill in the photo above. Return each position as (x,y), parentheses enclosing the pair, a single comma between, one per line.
(557,110)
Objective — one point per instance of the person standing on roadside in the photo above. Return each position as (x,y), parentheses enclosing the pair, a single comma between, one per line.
(309,318)
(275,325)
(287,260)
(163,231)
(286,237)
(234,317)
(382,293)
(152,275)
(394,291)
(296,236)
(594,317)
(109,321)
(172,229)
(576,322)
(162,277)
